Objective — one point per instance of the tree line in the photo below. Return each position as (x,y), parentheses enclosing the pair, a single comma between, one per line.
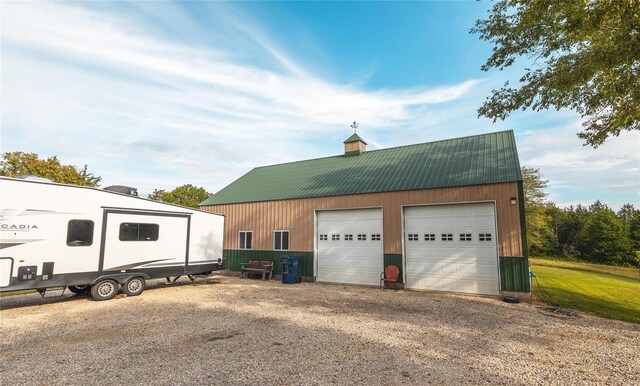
(594,233)
(19,164)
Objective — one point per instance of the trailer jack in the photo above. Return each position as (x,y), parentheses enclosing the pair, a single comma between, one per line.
(42,291)
(172,281)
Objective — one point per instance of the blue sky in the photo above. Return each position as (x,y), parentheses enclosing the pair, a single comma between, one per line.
(158,94)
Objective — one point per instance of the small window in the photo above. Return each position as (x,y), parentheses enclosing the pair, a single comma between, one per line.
(413,237)
(447,237)
(348,237)
(429,237)
(484,236)
(138,232)
(246,240)
(323,238)
(335,237)
(80,233)
(375,237)
(362,237)
(281,240)
(465,236)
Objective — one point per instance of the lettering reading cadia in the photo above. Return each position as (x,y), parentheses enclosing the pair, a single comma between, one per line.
(17,226)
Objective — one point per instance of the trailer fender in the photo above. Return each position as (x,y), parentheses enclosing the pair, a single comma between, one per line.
(121,278)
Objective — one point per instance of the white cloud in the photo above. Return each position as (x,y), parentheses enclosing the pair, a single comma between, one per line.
(149,97)
(582,174)
(100,88)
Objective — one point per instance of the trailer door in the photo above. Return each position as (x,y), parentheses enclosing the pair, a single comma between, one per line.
(154,243)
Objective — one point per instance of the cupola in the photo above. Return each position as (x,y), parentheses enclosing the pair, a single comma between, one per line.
(354,145)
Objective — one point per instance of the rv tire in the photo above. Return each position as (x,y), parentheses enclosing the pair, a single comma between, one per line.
(104,289)
(134,286)
(79,289)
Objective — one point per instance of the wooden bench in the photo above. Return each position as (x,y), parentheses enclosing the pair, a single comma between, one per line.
(264,267)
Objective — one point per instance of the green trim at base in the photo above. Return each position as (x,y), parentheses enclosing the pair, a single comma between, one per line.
(514,274)
(233,258)
(394,259)
(523,220)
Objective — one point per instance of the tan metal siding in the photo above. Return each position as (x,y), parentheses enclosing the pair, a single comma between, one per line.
(298,215)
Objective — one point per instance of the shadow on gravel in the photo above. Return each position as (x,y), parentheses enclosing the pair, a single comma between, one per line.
(58,296)
(177,342)
(247,332)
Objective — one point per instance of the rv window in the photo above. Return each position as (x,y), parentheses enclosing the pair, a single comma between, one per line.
(246,239)
(138,232)
(281,240)
(80,233)
(148,232)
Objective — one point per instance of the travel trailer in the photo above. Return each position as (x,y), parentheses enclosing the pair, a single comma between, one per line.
(97,241)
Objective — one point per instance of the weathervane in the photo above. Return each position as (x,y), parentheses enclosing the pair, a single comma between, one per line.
(355,125)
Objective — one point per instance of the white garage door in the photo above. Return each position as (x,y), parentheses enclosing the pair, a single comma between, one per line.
(350,246)
(452,248)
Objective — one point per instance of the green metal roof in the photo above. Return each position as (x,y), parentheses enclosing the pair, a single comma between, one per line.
(354,138)
(480,159)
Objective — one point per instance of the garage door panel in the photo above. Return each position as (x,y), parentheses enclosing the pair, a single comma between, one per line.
(350,261)
(486,270)
(486,254)
(363,265)
(446,223)
(457,265)
(485,222)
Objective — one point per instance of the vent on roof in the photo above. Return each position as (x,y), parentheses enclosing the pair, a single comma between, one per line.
(122,189)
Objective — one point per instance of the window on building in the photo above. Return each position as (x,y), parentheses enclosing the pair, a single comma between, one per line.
(429,237)
(465,236)
(80,233)
(447,237)
(335,237)
(413,237)
(484,236)
(375,237)
(348,237)
(245,240)
(281,240)
(362,237)
(323,238)
(138,232)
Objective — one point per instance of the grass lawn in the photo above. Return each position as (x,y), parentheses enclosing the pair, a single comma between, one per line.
(612,292)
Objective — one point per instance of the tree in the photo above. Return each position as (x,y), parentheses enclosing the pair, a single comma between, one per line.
(585,56)
(185,195)
(631,217)
(541,239)
(19,164)
(603,238)
(567,223)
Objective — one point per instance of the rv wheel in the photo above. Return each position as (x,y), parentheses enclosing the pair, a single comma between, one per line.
(79,289)
(104,289)
(134,286)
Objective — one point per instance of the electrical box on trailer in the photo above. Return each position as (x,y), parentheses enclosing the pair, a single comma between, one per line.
(28,272)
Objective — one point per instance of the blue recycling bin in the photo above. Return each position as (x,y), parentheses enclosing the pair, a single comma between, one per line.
(291,269)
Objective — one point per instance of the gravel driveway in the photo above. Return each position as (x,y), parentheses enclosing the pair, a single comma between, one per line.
(227,330)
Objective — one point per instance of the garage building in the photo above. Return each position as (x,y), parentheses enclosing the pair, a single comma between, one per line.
(449,214)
